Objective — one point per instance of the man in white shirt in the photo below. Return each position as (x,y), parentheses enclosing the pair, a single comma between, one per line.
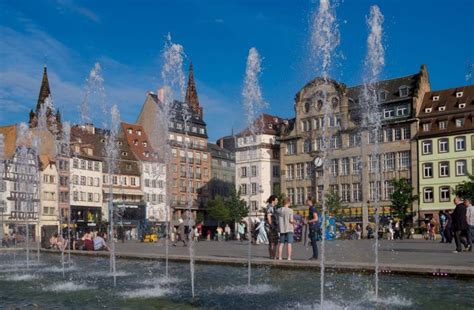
(470,221)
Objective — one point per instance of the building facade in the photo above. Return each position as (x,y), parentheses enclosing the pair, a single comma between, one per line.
(223,171)
(189,164)
(352,169)
(257,163)
(153,172)
(445,147)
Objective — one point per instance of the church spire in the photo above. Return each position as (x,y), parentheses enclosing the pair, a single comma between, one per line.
(191,92)
(44,89)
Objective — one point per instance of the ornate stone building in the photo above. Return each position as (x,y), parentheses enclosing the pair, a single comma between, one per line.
(351,169)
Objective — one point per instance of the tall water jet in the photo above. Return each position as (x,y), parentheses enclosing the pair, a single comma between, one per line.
(111,153)
(172,76)
(94,91)
(374,62)
(253,106)
(324,41)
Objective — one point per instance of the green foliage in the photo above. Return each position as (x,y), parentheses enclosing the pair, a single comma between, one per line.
(333,202)
(466,188)
(402,197)
(199,217)
(217,210)
(237,207)
(231,209)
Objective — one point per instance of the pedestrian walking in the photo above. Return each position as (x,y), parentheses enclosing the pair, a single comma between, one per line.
(313,225)
(241,229)
(181,233)
(271,225)
(470,221)
(460,225)
(285,228)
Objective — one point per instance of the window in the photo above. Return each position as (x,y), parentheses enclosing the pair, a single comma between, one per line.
(374,191)
(243,189)
(444,169)
(254,171)
(389,161)
(335,102)
(345,164)
(354,139)
(309,170)
(334,167)
(398,134)
(459,122)
(441,108)
(290,169)
(83,180)
(403,91)
(428,194)
(276,171)
(307,146)
(388,113)
(299,171)
(319,193)
(403,160)
(83,164)
(460,167)
(459,94)
(388,134)
(382,95)
(345,193)
(291,148)
(307,106)
(356,192)
(75,163)
(443,124)
(132,181)
(460,143)
(428,110)
(374,164)
(335,142)
(428,170)
(462,105)
(291,195)
(299,195)
(388,189)
(243,172)
(426,126)
(427,147)
(435,98)
(406,133)
(355,164)
(444,193)
(443,145)
(254,188)
(402,110)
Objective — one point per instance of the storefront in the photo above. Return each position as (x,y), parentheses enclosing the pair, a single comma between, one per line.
(130,220)
(86,218)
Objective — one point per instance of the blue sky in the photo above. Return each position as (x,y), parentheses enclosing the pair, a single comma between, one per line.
(127,37)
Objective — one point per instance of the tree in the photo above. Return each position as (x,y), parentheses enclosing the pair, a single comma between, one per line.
(402,197)
(237,207)
(217,210)
(333,202)
(466,188)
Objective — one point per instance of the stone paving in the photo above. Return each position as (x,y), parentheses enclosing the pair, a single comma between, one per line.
(399,256)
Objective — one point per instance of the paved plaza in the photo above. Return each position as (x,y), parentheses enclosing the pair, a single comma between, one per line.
(400,256)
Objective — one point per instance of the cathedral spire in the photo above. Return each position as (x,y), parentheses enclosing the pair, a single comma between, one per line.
(44,89)
(191,92)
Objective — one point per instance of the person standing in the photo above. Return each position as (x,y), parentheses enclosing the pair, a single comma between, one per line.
(271,225)
(470,221)
(442,226)
(227,232)
(285,228)
(448,231)
(241,229)
(313,224)
(460,225)
(181,233)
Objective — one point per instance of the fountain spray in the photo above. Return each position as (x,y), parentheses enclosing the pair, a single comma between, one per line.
(324,41)
(374,62)
(253,106)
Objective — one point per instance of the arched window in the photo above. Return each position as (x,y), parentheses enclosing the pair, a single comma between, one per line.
(335,102)
(307,107)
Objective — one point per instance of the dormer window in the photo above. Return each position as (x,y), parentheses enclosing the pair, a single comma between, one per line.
(462,105)
(139,132)
(443,124)
(145,144)
(382,95)
(428,110)
(124,153)
(435,98)
(146,154)
(135,142)
(441,108)
(459,94)
(129,130)
(426,127)
(403,90)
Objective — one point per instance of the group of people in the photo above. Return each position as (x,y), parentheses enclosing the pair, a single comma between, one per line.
(86,242)
(9,239)
(280,227)
(461,225)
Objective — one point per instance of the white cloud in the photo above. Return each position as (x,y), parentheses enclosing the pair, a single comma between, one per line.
(81,10)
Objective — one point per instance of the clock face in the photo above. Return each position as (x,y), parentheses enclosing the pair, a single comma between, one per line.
(318,162)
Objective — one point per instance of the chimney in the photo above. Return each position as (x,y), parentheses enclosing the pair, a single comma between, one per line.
(221,143)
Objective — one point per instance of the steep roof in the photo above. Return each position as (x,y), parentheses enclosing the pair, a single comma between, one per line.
(138,142)
(264,124)
(45,91)
(191,92)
